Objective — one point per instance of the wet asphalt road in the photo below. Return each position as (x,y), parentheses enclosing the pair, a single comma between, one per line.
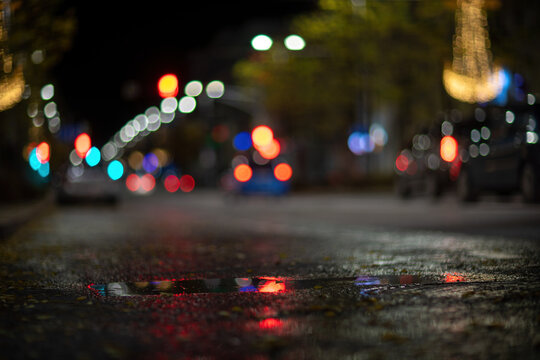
(326,276)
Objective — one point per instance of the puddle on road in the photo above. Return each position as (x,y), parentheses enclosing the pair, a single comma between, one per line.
(367,284)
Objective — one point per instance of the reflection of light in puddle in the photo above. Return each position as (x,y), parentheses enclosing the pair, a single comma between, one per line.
(270,323)
(367,284)
(453,277)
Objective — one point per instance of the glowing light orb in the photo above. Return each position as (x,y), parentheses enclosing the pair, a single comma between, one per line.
(449,148)
(262,136)
(93,156)
(82,144)
(242,141)
(133,182)
(261,42)
(150,162)
(168,86)
(283,172)
(187,104)
(171,183)
(43,152)
(243,173)
(187,183)
(193,88)
(33,160)
(115,170)
(271,151)
(47,92)
(402,163)
(148,182)
(294,42)
(215,89)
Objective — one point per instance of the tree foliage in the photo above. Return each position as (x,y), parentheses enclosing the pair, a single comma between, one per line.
(357,57)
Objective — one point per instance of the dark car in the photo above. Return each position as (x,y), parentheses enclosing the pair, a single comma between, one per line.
(86,184)
(502,153)
(422,168)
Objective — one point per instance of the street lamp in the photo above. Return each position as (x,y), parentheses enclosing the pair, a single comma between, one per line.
(261,42)
(294,42)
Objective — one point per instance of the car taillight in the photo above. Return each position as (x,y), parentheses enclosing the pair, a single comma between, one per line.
(402,162)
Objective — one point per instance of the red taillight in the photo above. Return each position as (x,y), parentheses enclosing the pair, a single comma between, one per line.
(402,163)
(449,149)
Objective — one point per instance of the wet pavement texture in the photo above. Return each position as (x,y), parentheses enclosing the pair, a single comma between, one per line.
(305,277)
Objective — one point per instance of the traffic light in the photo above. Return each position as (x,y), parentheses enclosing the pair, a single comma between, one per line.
(168,86)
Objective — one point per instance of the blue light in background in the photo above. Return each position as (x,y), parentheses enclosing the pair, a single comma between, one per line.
(360,143)
(44,170)
(505,78)
(242,141)
(150,162)
(93,156)
(33,160)
(115,170)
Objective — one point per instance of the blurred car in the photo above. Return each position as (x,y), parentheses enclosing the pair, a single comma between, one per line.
(262,181)
(502,153)
(422,168)
(86,184)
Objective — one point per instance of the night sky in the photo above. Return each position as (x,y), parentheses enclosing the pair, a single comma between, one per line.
(119,52)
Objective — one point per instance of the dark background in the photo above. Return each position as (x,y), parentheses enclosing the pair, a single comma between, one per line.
(120,51)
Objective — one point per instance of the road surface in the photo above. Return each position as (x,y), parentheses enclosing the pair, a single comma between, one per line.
(309,276)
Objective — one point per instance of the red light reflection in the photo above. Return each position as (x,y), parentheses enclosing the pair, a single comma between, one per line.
(271,285)
(453,277)
(270,323)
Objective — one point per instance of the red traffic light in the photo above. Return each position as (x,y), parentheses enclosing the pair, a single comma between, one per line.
(168,86)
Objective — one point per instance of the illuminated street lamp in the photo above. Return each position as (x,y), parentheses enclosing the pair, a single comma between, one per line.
(294,42)
(261,42)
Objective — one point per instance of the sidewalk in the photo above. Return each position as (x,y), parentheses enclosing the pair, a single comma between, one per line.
(13,216)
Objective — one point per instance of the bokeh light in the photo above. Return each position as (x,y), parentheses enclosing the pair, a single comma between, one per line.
(171,183)
(283,172)
(242,141)
(44,170)
(115,170)
(133,182)
(93,156)
(135,160)
(215,89)
(193,88)
(402,162)
(187,104)
(148,182)
(47,92)
(43,152)
(242,172)
(449,148)
(33,160)
(360,143)
(150,162)
(168,86)
(82,144)
(271,151)
(262,136)
(169,105)
(50,109)
(294,42)
(187,183)
(74,158)
(261,42)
